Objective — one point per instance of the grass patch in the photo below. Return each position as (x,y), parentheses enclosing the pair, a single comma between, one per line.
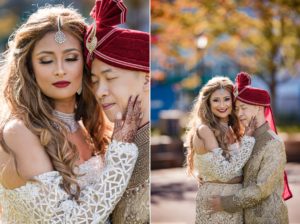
(289,128)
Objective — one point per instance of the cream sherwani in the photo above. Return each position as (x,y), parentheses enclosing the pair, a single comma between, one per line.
(261,195)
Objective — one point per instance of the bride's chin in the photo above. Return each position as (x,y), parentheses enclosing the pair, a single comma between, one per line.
(225,116)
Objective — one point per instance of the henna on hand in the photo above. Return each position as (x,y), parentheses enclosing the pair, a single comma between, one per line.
(125,130)
(249,130)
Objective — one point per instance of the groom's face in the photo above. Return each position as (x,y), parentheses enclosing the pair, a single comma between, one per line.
(113,86)
(245,112)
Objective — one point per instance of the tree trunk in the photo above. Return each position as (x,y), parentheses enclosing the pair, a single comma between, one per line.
(272,86)
(273,83)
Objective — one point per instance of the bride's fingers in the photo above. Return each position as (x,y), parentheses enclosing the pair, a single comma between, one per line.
(249,127)
(232,133)
(130,107)
(118,127)
(137,106)
(126,110)
(137,112)
(118,120)
(254,123)
(137,98)
(139,119)
(227,135)
(251,121)
(231,130)
(133,117)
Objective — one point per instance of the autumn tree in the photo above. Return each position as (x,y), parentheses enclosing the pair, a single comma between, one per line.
(262,37)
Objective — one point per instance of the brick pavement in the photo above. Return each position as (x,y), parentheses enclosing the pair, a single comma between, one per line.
(173,196)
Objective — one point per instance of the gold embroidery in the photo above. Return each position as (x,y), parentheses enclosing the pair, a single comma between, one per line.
(261,196)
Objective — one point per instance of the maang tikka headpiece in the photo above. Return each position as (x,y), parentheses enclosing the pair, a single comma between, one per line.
(60,37)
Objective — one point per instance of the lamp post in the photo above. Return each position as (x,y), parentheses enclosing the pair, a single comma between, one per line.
(201,41)
(201,44)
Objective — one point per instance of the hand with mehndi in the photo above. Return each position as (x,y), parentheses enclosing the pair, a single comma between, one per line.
(249,130)
(125,130)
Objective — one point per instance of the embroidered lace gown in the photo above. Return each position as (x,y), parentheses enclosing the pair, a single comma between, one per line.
(133,208)
(212,166)
(46,202)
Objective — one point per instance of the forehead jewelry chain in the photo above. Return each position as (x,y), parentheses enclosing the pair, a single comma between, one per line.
(60,37)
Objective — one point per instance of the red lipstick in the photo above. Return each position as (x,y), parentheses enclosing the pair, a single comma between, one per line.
(61,84)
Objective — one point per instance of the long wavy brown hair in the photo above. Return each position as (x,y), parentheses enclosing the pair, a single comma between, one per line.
(202,114)
(25,101)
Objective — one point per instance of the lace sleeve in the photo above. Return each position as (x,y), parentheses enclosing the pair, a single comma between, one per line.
(47,202)
(224,170)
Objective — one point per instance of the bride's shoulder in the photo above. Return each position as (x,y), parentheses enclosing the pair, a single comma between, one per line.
(207,137)
(16,135)
(28,157)
(199,139)
(15,128)
(204,131)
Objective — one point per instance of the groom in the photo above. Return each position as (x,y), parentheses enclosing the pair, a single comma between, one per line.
(119,63)
(261,195)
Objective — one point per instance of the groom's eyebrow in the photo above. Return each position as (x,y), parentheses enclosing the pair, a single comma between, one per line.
(105,71)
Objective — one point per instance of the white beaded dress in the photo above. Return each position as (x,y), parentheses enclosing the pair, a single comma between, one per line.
(213,166)
(45,202)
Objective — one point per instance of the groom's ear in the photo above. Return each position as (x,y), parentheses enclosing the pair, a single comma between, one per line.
(146,85)
(260,108)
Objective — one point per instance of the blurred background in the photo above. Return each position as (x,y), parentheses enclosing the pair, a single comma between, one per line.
(14,12)
(193,41)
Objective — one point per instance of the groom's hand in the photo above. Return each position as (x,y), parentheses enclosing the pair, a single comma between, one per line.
(200,181)
(214,204)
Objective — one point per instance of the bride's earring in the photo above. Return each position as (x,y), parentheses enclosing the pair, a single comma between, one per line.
(79,90)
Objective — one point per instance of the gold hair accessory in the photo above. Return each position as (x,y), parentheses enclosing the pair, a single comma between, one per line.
(91,41)
(60,37)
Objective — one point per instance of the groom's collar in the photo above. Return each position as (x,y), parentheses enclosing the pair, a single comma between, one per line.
(262,129)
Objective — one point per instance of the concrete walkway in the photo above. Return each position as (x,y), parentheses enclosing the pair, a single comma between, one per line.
(173,196)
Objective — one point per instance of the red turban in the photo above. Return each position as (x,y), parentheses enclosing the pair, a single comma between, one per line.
(123,48)
(255,96)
